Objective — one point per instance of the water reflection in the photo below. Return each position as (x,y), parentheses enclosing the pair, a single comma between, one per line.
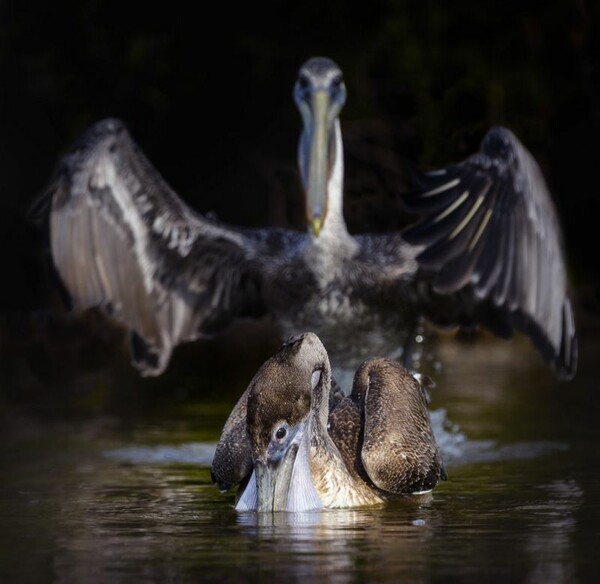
(156,523)
(550,545)
(128,496)
(339,544)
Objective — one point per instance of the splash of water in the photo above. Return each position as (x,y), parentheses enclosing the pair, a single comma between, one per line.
(450,439)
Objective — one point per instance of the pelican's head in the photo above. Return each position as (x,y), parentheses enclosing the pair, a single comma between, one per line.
(279,425)
(320,94)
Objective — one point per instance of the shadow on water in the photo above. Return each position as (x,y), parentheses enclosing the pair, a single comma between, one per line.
(105,476)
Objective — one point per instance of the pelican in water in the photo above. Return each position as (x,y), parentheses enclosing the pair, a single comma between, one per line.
(295,446)
(486,250)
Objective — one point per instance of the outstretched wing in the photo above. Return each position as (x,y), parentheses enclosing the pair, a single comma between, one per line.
(489,230)
(121,239)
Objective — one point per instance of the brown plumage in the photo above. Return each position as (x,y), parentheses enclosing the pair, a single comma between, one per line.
(360,450)
(384,426)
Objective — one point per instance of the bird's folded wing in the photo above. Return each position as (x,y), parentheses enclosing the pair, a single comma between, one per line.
(489,230)
(121,239)
(232,463)
(399,452)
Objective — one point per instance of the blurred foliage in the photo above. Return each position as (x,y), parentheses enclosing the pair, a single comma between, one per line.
(209,98)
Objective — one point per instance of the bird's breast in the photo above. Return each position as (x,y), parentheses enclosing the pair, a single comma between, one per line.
(356,310)
(337,489)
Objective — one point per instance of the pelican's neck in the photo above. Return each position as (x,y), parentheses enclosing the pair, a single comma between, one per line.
(320,439)
(320,405)
(336,486)
(334,222)
(334,234)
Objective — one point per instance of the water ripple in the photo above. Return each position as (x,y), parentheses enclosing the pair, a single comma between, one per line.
(200,453)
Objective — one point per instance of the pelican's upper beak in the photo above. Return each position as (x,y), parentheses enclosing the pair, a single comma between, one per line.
(320,95)
(283,480)
(318,134)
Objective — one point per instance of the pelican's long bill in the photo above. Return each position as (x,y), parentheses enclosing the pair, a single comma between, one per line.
(283,482)
(320,94)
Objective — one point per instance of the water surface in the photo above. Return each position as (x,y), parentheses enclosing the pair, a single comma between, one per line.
(105,478)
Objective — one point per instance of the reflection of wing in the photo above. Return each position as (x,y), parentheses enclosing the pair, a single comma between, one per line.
(121,239)
(489,223)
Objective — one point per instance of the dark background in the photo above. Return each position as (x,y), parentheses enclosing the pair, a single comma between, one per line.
(208,98)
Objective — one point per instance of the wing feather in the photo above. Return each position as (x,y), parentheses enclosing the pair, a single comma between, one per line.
(398,451)
(121,239)
(501,242)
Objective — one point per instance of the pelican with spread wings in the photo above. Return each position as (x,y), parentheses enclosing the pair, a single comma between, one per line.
(486,250)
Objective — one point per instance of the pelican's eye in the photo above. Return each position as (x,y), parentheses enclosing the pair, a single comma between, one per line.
(281,433)
(336,82)
(303,81)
